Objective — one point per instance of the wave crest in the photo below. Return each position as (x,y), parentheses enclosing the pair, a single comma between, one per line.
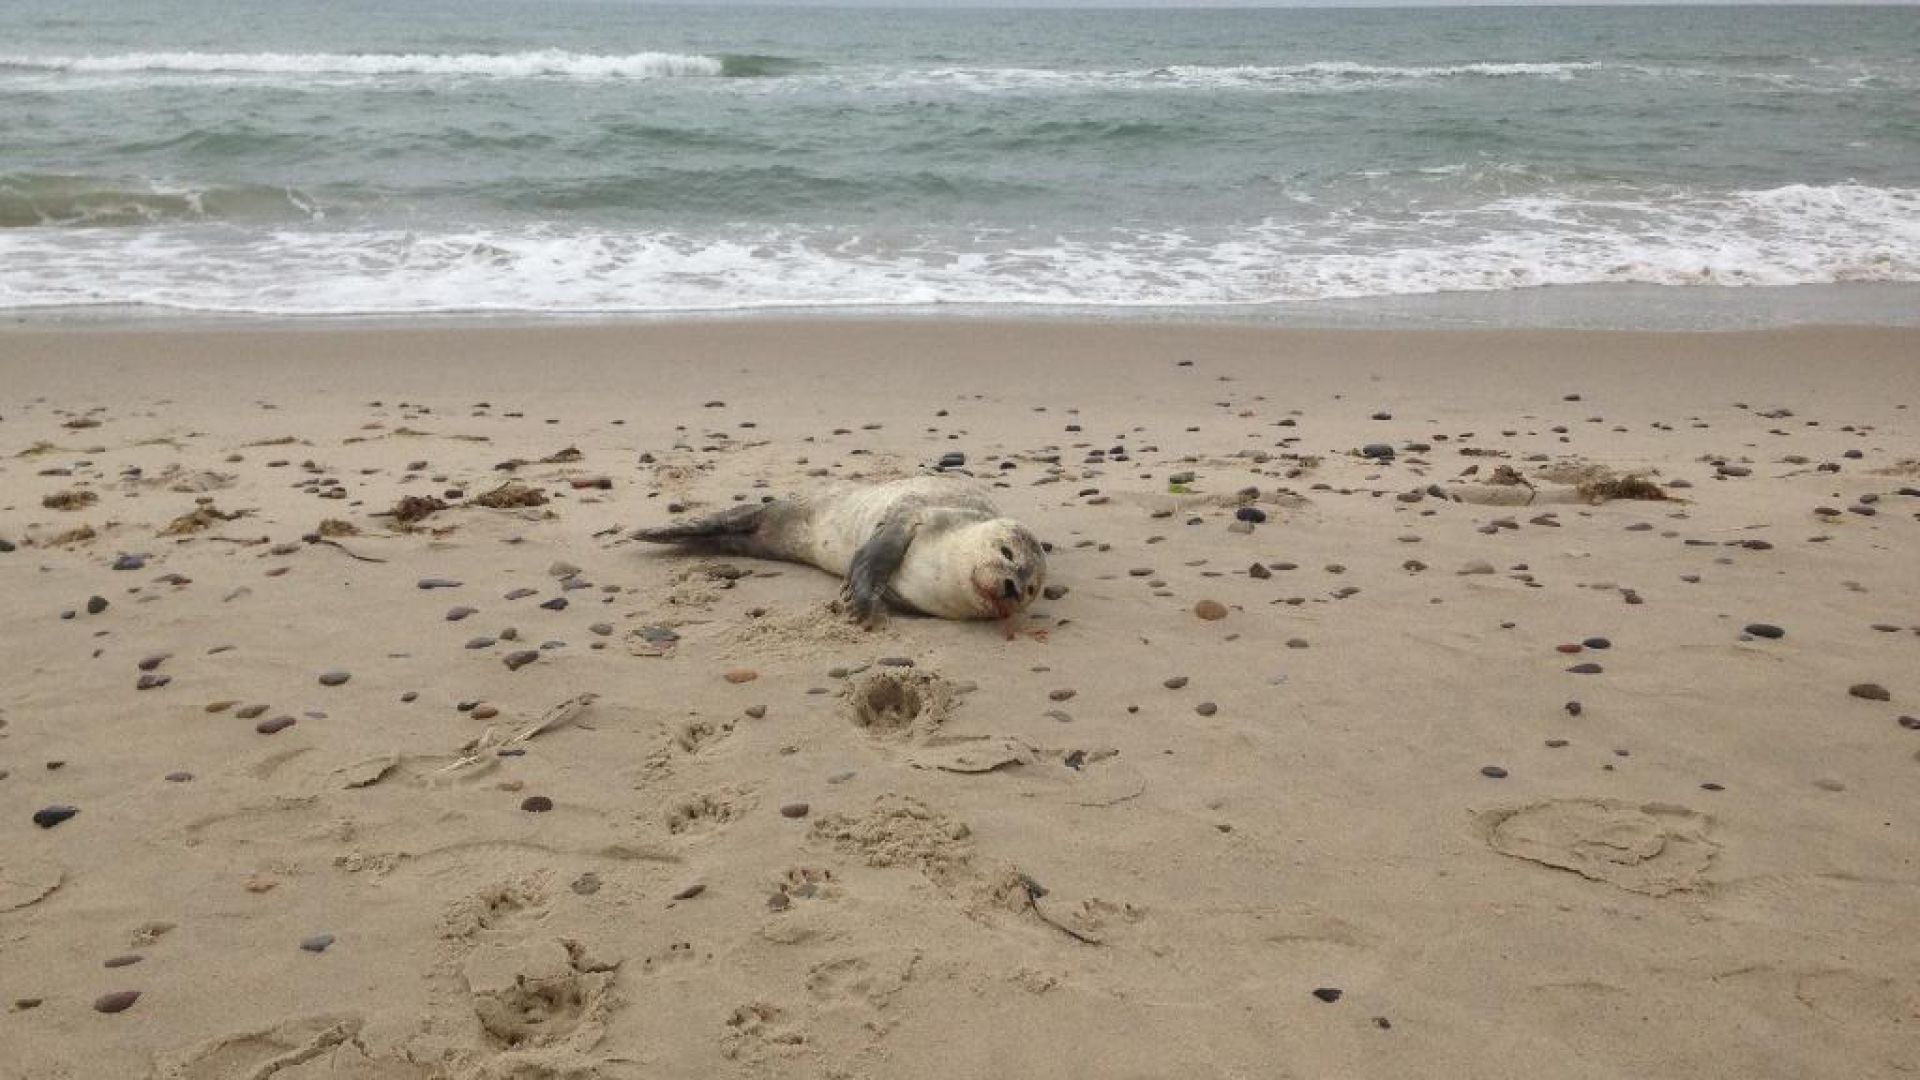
(546,63)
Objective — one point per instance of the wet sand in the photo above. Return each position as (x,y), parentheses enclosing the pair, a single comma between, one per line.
(1492,704)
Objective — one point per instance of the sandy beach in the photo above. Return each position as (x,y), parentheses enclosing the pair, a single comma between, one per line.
(1406,704)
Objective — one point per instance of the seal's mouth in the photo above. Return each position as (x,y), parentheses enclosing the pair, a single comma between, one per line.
(1001,607)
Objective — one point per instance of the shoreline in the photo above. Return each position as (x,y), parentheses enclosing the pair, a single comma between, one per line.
(1564,307)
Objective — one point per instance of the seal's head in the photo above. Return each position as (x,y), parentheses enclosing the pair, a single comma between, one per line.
(1009,568)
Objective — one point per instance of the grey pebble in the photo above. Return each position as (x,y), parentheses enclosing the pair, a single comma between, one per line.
(316,943)
(517,660)
(334,678)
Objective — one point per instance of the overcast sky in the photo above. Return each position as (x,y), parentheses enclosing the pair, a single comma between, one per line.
(1277,3)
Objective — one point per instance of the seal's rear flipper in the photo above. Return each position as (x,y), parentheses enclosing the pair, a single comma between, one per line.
(728,531)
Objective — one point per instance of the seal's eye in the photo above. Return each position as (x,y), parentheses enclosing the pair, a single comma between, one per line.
(1006,552)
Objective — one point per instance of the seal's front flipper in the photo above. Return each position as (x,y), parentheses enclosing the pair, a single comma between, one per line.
(727,531)
(870,578)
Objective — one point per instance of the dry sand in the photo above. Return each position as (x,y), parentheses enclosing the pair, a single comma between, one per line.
(1127,842)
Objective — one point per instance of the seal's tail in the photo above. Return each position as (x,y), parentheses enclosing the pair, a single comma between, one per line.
(728,531)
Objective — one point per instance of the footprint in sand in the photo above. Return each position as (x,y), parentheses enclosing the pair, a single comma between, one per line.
(282,1048)
(1655,849)
(538,993)
(900,704)
(704,813)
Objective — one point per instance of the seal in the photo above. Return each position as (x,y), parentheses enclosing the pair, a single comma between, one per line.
(932,544)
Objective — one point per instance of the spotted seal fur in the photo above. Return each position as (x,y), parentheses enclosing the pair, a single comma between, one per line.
(932,544)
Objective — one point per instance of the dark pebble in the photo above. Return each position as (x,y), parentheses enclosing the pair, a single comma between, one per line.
(1711,786)
(517,660)
(558,603)
(1597,643)
(96,604)
(536,804)
(1175,683)
(481,643)
(1206,708)
(1870,691)
(1911,723)
(118,1001)
(130,562)
(275,725)
(1260,571)
(1328,994)
(895,661)
(795,810)
(248,712)
(127,960)
(1493,772)
(521,594)
(316,943)
(48,817)
(334,678)
(150,662)
(458,613)
(1765,630)
(1585,669)
(438,583)
(690,892)
(1251,514)
(178,777)
(150,681)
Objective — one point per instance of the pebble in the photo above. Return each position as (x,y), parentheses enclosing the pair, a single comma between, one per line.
(118,1001)
(536,804)
(1477,566)
(1251,514)
(1206,708)
(1260,571)
(130,562)
(741,675)
(124,960)
(690,892)
(316,943)
(151,681)
(558,603)
(1585,669)
(795,810)
(1062,694)
(96,604)
(1328,994)
(1494,772)
(48,817)
(438,583)
(1210,610)
(275,725)
(458,613)
(334,678)
(1870,691)
(1175,683)
(178,777)
(517,660)
(481,643)
(1765,630)
(1377,451)
(1597,643)
(1911,723)
(248,712)
(154,661)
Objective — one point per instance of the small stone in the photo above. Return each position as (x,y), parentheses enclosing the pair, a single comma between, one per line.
(517,660)
(1062,694)
(1765,630)
(558,603)
(690,891)
(248,712)
(1210,610)
(1597,643)
(1175,683)
(1377,451)
(1259,570)
(757,712)
(124,960)
(150,662)
(48,817)
(1711,786)
(1206,708)
(741,675)
(1574,708)
(179,777)
(795,810)
(1585,669)
(457,613)
(1477,566)
(150,681)
(130,562)
(586,884)
(334,678)
(96,604)
(275,725)
(1251,514)
(536,804)
(484,712)
(1328,994)
(1870,691)
(317,943)
(438,583)
(1493,772)
(118,1001)
(1911,723)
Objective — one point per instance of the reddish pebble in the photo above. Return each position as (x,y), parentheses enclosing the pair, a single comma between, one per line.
(741,675)
(1568,648)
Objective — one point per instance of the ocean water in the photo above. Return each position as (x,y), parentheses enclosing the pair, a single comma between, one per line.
(339,157)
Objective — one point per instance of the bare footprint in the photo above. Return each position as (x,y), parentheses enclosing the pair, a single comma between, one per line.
(897,704)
